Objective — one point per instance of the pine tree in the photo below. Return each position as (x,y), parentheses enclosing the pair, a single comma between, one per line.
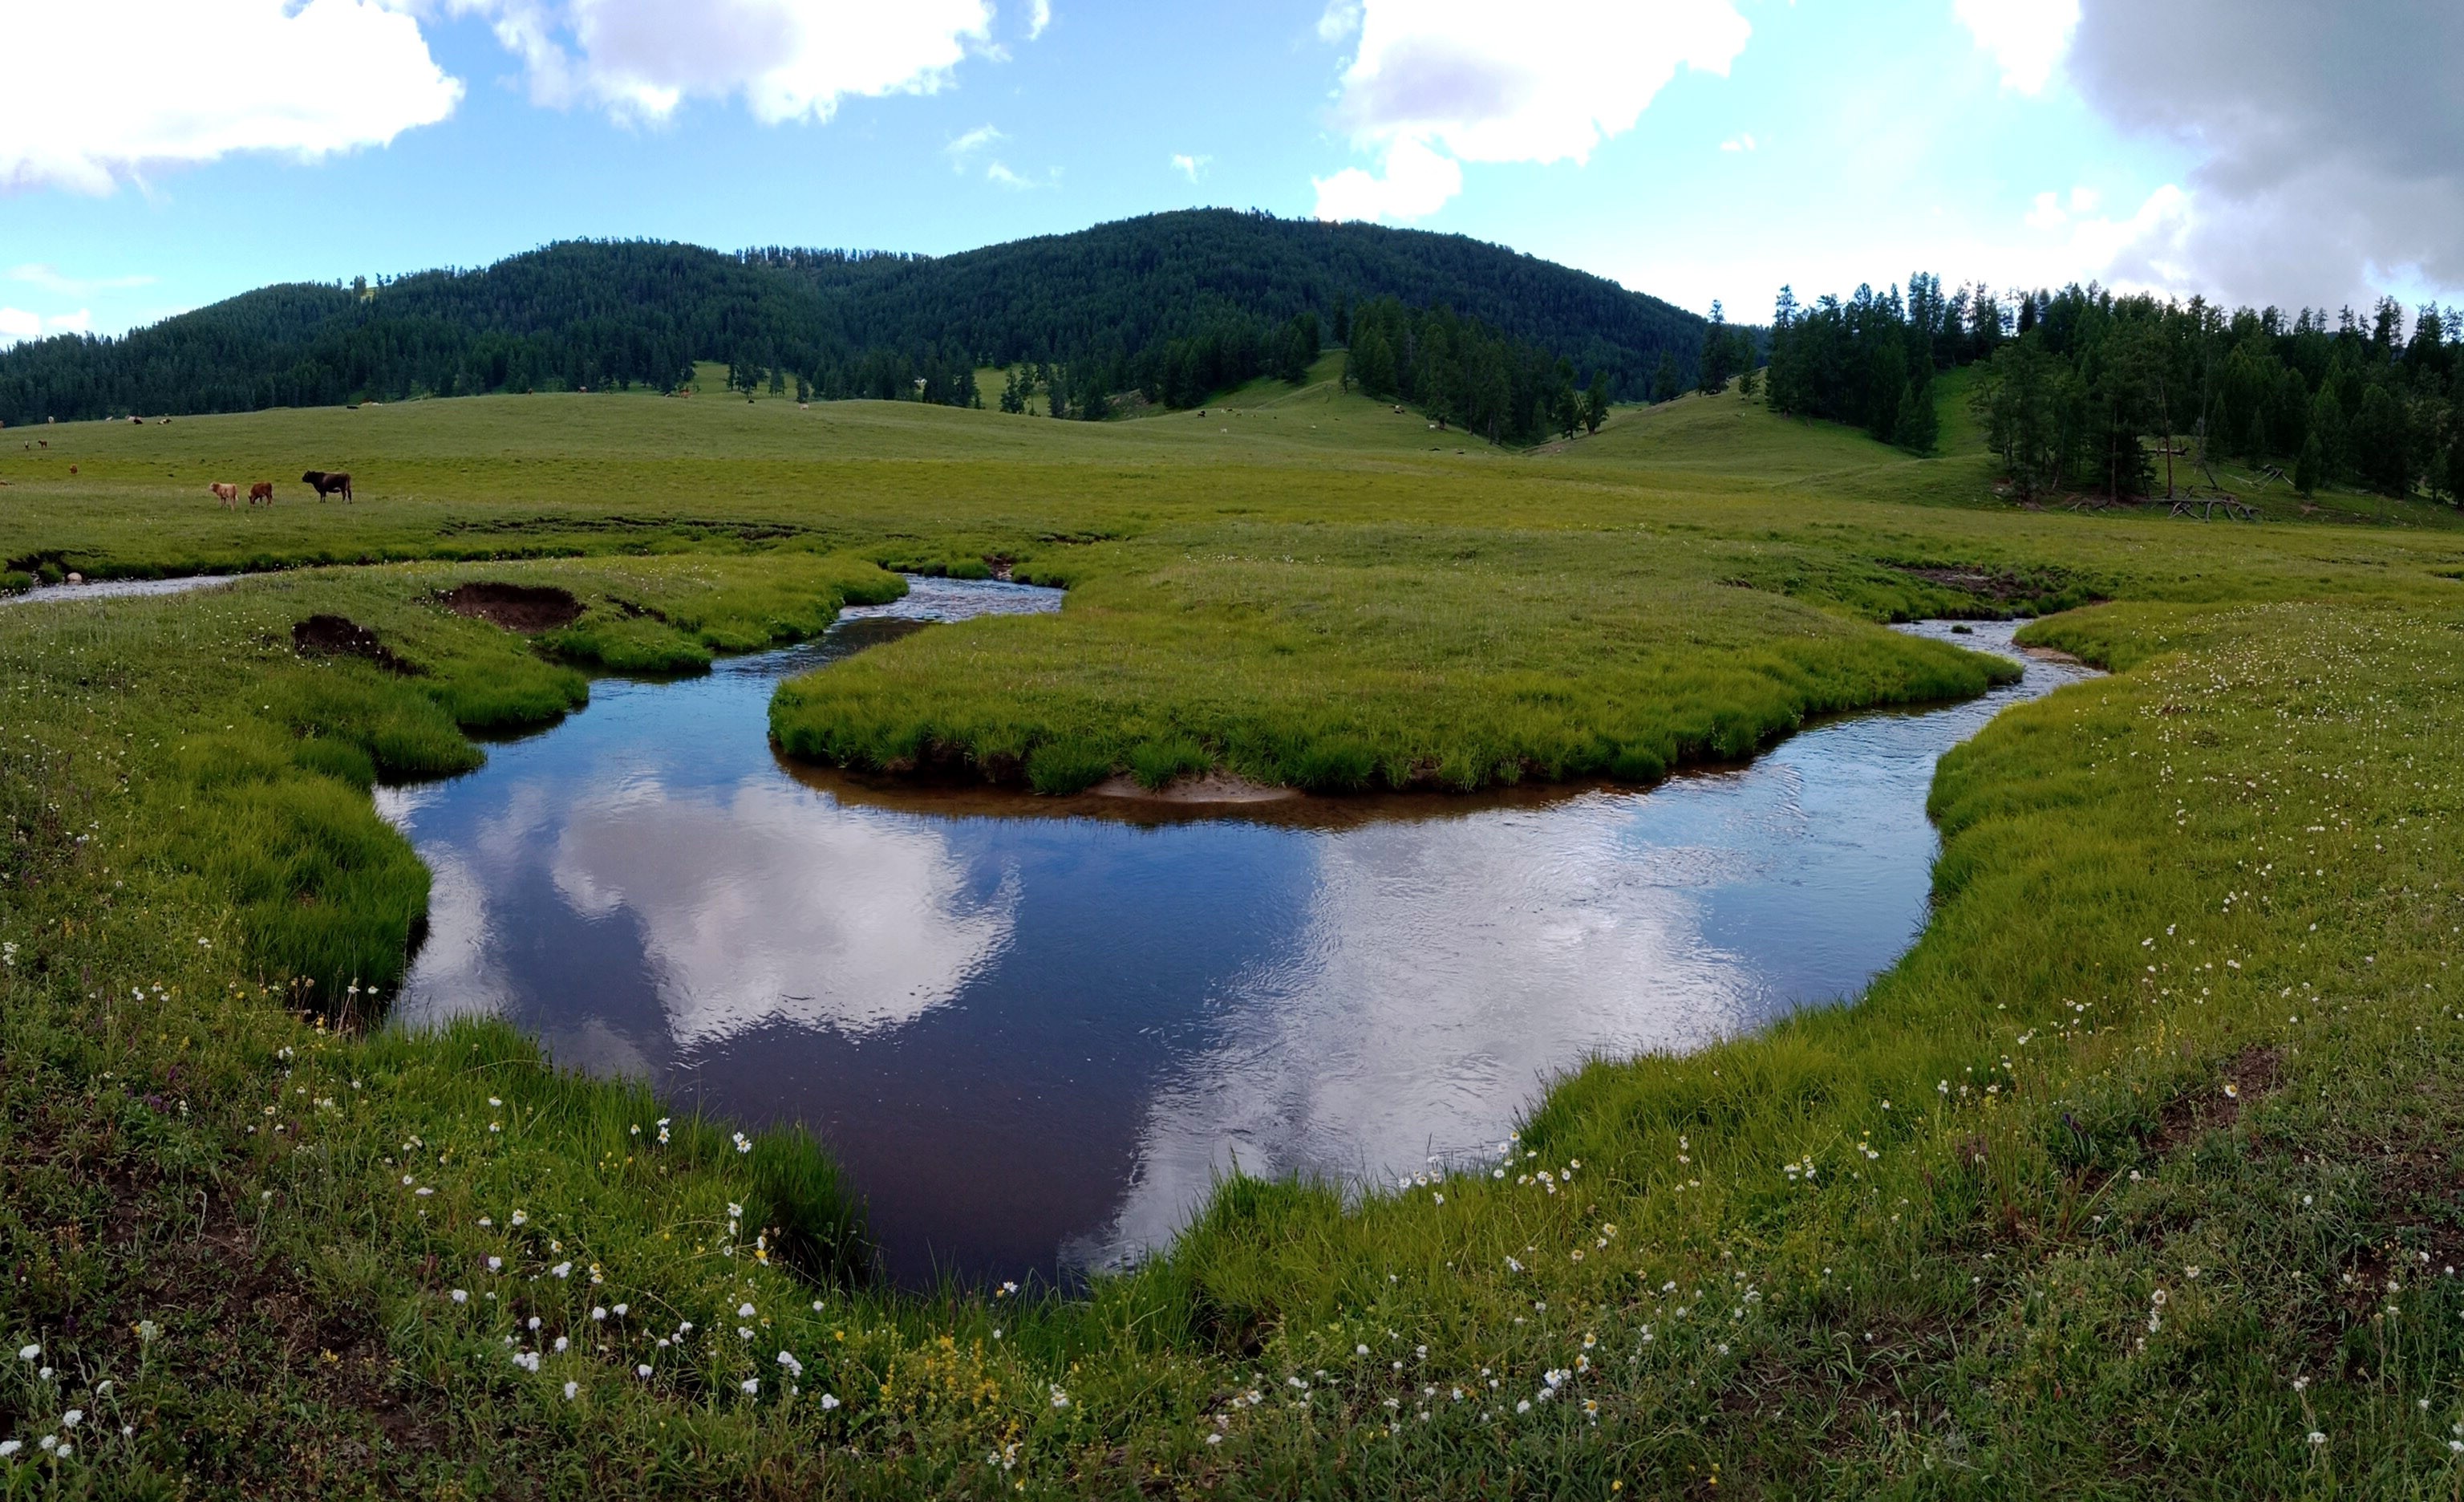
(1718,353)
(1566,410)
(2381,445)
(2306,469)
(1920,424)
(1595,402)
(1665,384)
(2327,425)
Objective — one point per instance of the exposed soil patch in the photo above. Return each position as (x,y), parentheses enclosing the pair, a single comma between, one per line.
(2001,585)
(1215,787)
(516,608)
(337,636)
(2248,1076)
(2051,654)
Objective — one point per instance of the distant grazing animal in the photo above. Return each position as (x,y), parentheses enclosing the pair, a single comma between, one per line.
(262,490)
(226,494)
(325,484)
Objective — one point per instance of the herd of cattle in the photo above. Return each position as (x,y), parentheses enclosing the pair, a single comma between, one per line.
(322,482)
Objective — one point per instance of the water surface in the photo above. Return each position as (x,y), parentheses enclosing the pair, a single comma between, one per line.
(1033,1031)
(115,588)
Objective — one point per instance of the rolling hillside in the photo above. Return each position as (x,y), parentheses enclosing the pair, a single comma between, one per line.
(1223,293)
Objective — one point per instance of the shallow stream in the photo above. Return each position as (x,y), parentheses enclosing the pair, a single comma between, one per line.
(1032,1031)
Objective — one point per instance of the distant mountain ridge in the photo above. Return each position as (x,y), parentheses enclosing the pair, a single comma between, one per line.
(1119,304)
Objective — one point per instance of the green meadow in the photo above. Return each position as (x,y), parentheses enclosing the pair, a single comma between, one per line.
(2134,1178)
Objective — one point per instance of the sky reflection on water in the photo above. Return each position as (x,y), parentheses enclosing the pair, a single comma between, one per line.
(1033,1036)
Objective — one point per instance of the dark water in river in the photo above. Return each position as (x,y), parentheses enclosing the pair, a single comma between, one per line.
(1032,1033)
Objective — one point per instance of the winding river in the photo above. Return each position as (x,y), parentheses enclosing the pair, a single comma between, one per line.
(1034,1031)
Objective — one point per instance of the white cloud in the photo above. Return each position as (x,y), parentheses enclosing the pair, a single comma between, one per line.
(789,59)
(1417,184)
(49,279)
(1039,16)
(16,324)
(105,91)
(2027,37)
(2048,213)
(962,147)
(1341,18)
(2323,138)
(1190,166)
(1547,83)
(1005,177)
(1742,142)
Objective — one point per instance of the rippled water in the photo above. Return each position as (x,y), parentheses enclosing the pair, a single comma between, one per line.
(1033,1031)
(115,588)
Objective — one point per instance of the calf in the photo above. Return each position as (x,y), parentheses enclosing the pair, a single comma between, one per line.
(226,494)
(324,484)
(262,490)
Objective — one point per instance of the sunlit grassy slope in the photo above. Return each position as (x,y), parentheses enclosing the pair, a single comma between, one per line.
(2130,1180)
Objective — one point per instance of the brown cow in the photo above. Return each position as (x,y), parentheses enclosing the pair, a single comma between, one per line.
(325,484)
(226,494)
(262,490)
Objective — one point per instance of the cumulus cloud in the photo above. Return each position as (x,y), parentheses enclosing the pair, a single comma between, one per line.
(17,324)
(105,91)
(2324,138)
(1039,16)
(2027,37)
(1189,166)
(789,59)
(1435,83)
(1417,183)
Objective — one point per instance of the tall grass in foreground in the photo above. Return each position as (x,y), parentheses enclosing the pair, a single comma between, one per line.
(2126,1173)
(2129,1181)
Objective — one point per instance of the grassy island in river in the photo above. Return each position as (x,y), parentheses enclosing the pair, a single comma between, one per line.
(2134,1178)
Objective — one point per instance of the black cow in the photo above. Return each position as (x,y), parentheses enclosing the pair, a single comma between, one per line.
(325,484)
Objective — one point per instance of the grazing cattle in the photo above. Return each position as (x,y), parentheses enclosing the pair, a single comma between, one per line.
(262,490)
(324,484)
(228,494)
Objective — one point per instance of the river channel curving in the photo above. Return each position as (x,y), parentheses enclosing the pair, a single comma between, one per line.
(1035,1031)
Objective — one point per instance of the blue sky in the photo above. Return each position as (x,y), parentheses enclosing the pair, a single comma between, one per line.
(1691,149)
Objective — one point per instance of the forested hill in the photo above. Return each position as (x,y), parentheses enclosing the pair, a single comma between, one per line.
(1174,305)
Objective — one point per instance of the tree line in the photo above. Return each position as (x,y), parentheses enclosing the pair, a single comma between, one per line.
(1174,305)
(2084,389)
(1465,374)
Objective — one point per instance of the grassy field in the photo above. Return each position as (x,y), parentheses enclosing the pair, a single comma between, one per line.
(2134,1178)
